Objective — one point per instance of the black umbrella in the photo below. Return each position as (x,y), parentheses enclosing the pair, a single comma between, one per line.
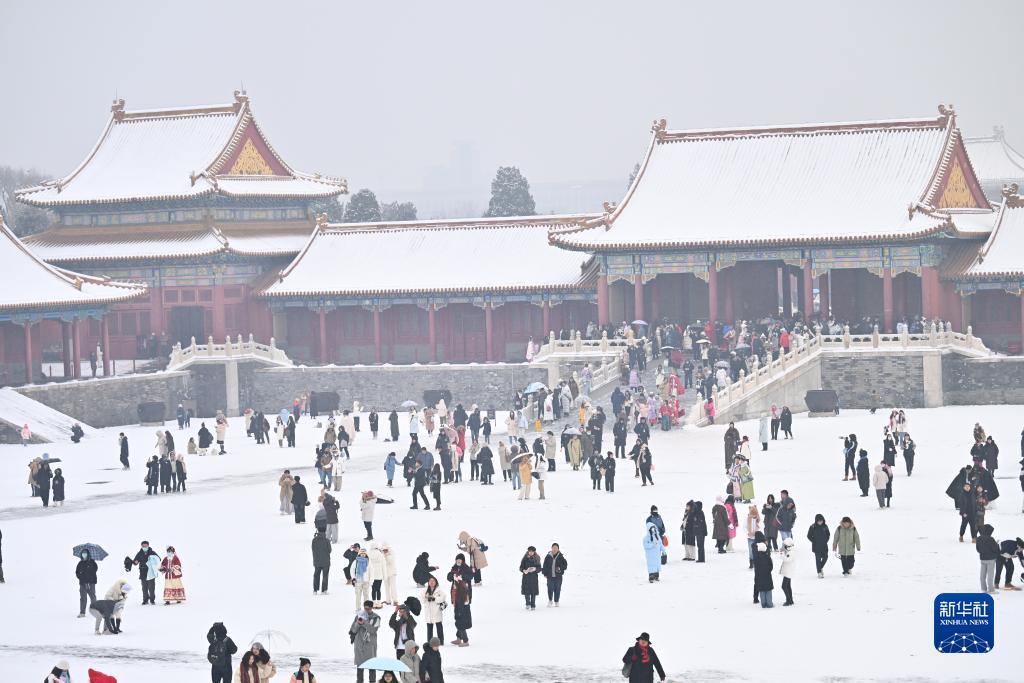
(95,552)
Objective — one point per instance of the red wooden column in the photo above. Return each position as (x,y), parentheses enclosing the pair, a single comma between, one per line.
(107,356)
(546,320)
(787,292)
(65,347)
(432,331)
(638,297)
(220,328)
(808,303)
(730,276)
(602,301)
(376,334)
(712,293)
(887,299)
(489,330)
(28,353)
(931,294)
(323,335)
(823,294)
(655,308)
(76,352)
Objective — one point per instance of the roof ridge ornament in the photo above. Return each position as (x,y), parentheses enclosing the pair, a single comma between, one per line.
(321,222)
(117,109)
(658,127)
(240,100)
(1010,194)
(999,133)
(946,111)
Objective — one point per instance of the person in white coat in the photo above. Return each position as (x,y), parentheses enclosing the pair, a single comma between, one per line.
(390,572)
(376,573)
(434,602)
(549,408)
(879,480)
(787,569)
(763,432)
(442,412)
(512,427)
(414,423)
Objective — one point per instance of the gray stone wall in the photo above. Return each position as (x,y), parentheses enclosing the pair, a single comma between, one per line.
(868,380)
(208,388)
(107,402)
(980,381)
(490,386)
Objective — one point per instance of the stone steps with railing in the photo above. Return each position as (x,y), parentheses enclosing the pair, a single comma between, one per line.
(763,378)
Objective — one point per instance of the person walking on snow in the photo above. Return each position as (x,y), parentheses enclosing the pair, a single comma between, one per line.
(553,569)
(863,478)
(879,480)
(787,568)
(300,499)
(530,567)
(641,661)
(818,534)
(653,549)
(285,483)
(845,542)
(321,548)
(122,444)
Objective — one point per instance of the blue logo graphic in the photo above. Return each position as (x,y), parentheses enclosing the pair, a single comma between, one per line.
(964,623)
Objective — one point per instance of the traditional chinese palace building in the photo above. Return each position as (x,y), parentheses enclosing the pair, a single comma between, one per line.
(880,219)
(34,294)
(195,203)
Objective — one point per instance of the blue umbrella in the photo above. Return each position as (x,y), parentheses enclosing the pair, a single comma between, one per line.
(384,664)
(95,552)
(284,415)
(534,387)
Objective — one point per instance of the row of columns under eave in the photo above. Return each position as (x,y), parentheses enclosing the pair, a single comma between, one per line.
(71,349)
(931,295)
(431,331)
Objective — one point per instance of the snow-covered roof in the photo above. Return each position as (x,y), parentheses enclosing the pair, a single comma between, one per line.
(1003,253)
(73,245)
(995,162)
(836,182)
(27,282)
(472,255)
(182,153)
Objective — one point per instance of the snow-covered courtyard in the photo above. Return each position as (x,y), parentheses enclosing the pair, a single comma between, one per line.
(248,566)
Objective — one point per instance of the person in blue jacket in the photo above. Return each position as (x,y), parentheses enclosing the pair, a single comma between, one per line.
(389,466)
(652,551)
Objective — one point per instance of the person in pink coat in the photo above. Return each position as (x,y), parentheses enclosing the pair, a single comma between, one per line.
(734,522)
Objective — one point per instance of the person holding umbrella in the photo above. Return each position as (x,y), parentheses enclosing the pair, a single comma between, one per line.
(86,573)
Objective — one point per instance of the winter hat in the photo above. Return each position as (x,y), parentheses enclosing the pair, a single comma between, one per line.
(434,642)
(411,645)
(645,636)
(63,665)
(788,543)
(654,508)
(460,556)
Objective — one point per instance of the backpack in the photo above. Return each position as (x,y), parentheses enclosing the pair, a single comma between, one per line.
(481,545)
(215,655)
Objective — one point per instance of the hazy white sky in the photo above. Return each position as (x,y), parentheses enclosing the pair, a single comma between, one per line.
(383,92)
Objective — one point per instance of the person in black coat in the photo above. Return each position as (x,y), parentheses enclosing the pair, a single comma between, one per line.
(43,477)
(818,534)
(180,475)
(473,422)
(1,557)
(421,572)
(642,661)
(763,583)
(529,567)
(399,619)
(152,476)
(430,665)
(486,459)
(421,477)
(300,499)
(1008,550)
(219,653)
(609,472)
(595,462)
(967,504)
(321,548)
(698,524)
(205,438)
(863,473)
(644,463)
(122,442)
(148,582)
(165,474)
(619,432)
(85,571)
(909,451)
(991,456)
(393,420)
(642,430)
(786,422)
(374,420)
(58,487)
(553,568)
(889,449)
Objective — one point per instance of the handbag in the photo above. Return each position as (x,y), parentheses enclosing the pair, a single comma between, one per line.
(627,668)
(664,558)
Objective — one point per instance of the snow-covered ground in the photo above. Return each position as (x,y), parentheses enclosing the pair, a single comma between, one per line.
(249,567)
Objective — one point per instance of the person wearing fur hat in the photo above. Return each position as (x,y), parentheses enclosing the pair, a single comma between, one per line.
(303,675)
(60,673)
(846,541)
(641,661)
(763,583)
(411,659)
(787,568)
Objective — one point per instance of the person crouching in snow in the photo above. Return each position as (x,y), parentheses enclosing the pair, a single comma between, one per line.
(108,612)
(652,551)
(62,672)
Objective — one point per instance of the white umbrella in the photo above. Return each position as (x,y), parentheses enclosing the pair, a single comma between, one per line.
(409,404)
(271,639)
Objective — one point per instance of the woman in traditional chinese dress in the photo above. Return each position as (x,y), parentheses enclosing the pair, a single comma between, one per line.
(174,589)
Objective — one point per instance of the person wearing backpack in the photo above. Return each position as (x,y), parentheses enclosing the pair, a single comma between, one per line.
(476,549)
(219,653)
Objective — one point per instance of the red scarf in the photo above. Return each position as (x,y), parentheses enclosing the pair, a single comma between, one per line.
(642,654)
